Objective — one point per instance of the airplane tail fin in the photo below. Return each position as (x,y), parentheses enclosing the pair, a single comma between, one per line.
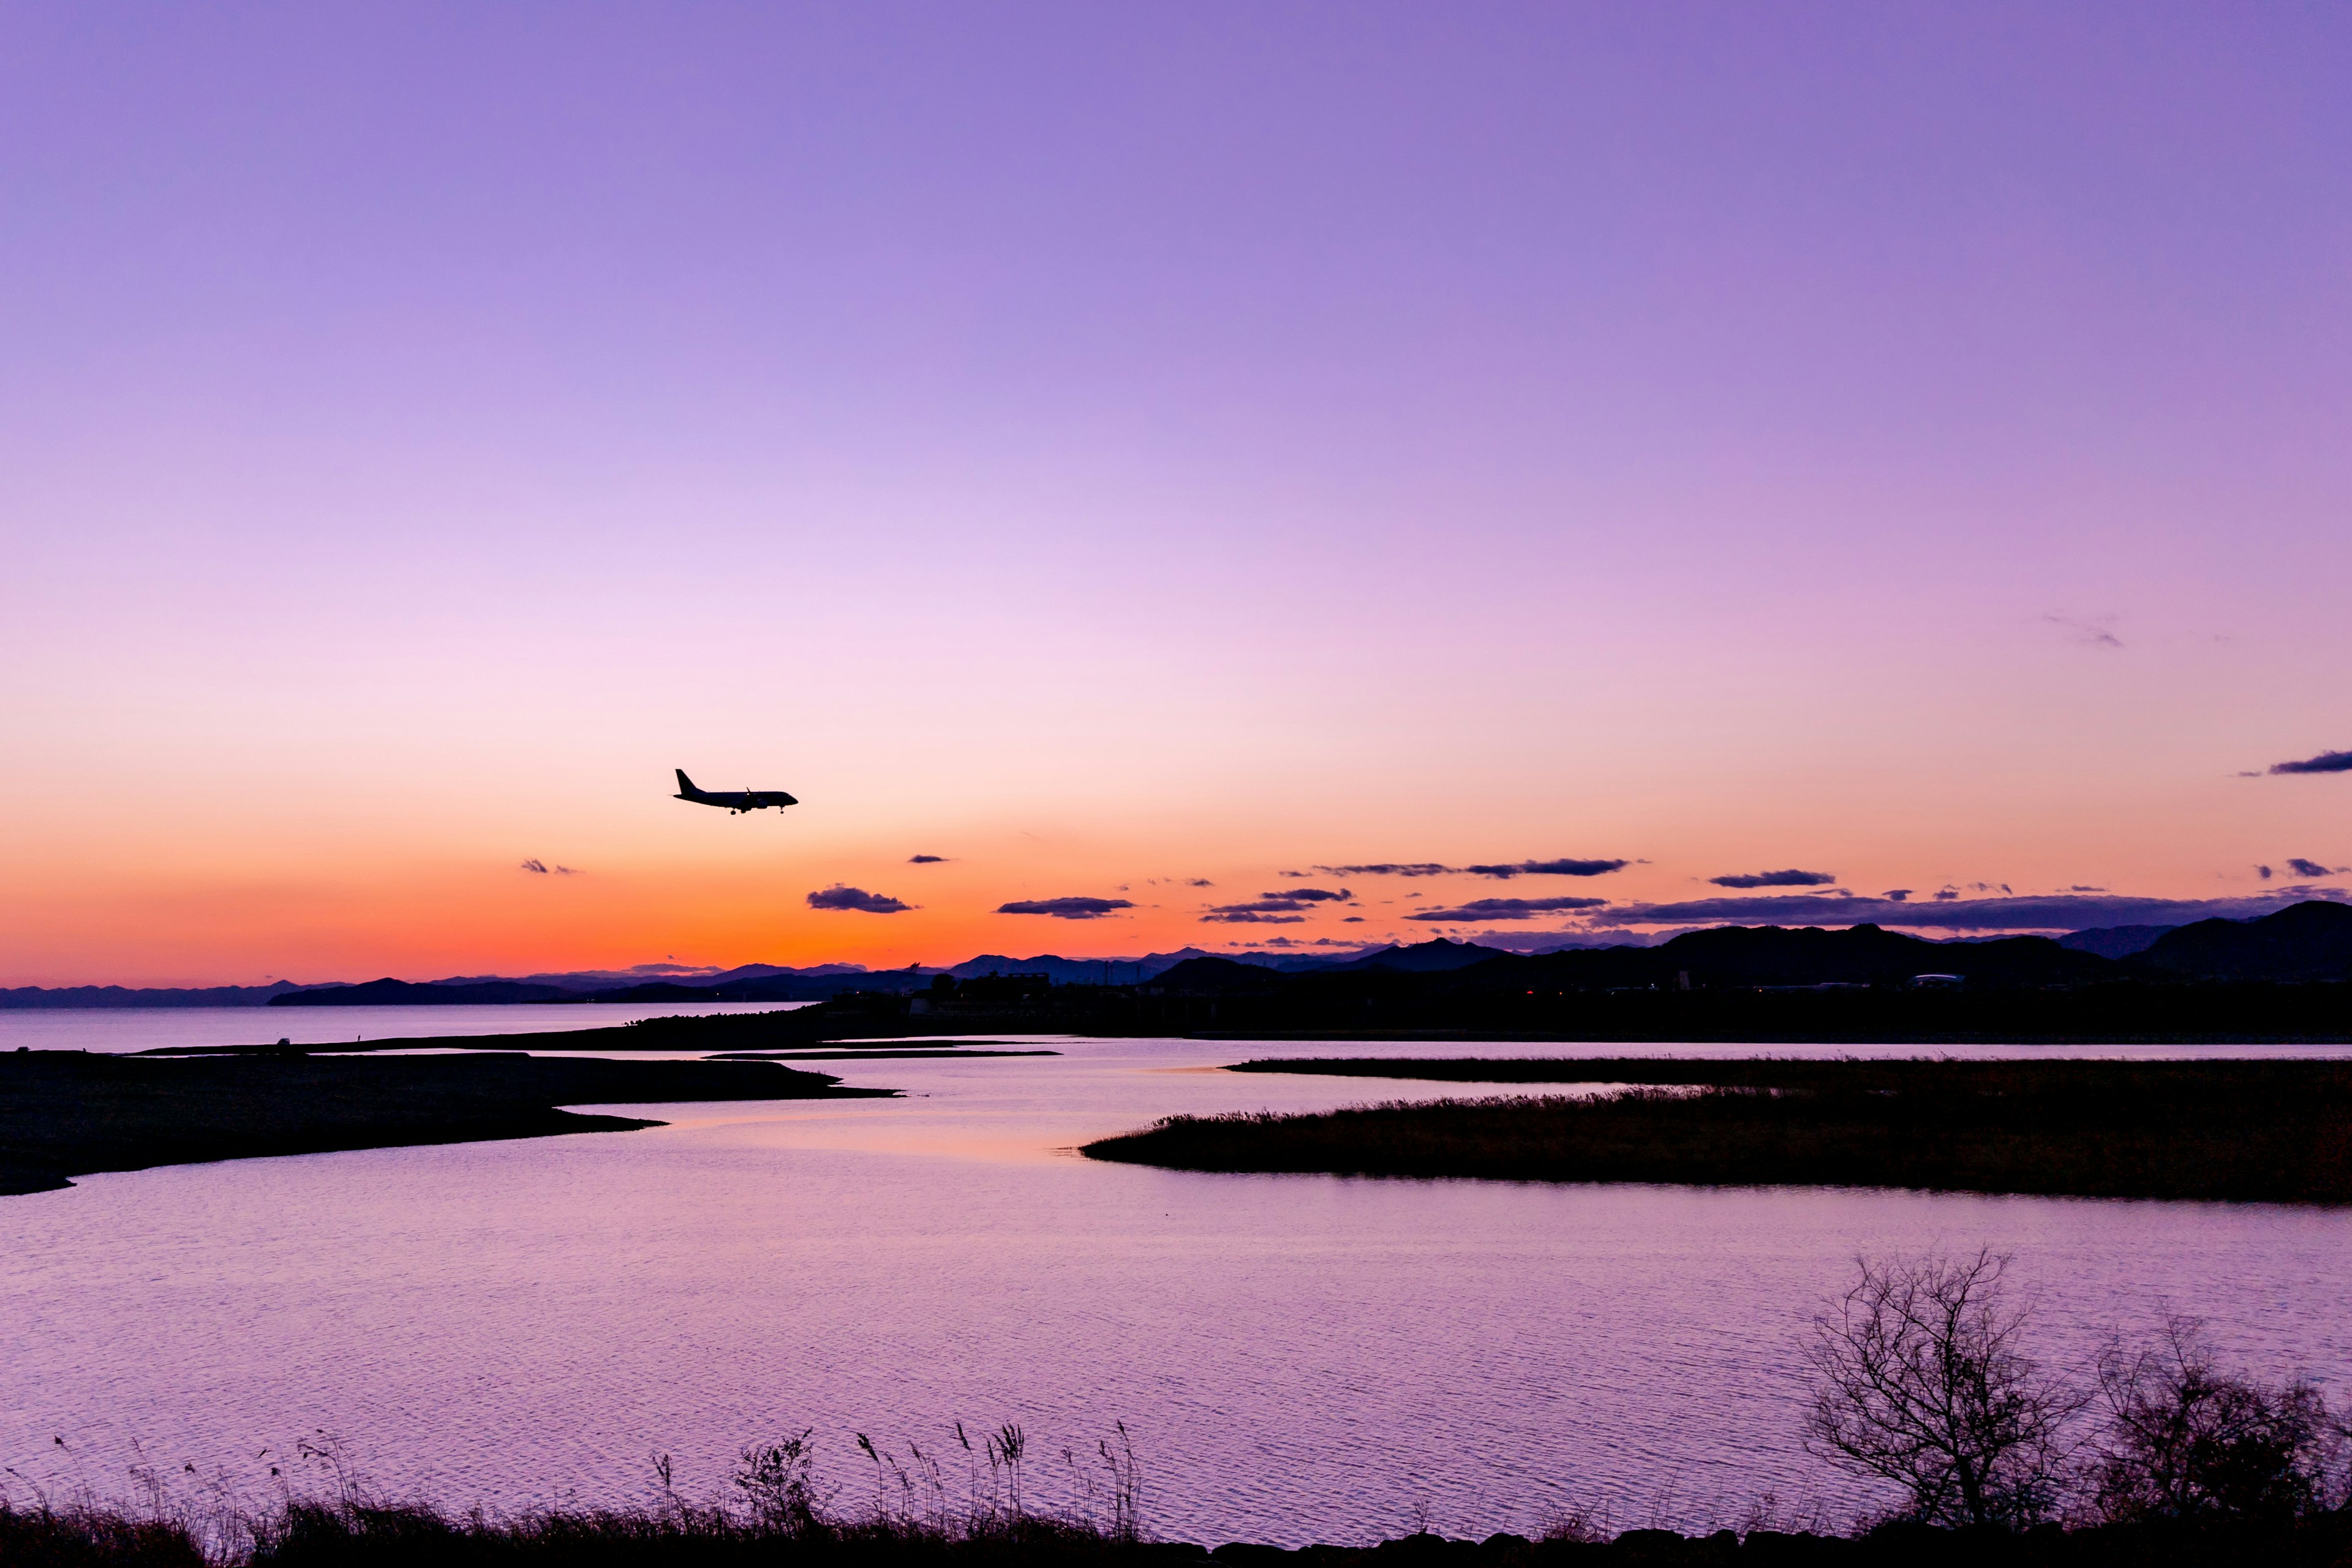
(685,784)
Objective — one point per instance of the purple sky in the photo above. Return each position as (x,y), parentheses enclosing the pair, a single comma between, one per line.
(1106,443)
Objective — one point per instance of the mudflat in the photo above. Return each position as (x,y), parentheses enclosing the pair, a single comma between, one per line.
(69,1113)
(2245,1130)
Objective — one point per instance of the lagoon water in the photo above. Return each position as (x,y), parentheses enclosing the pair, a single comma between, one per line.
(1296,1357)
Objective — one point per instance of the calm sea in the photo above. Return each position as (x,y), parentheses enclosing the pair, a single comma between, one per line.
(1296,1358)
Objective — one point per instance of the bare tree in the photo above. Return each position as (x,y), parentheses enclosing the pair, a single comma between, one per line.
(2188,1440)
(1924,1382)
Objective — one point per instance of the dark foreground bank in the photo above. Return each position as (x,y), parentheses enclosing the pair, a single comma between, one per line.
(69,1113)
(2276,1132)
(334,1535)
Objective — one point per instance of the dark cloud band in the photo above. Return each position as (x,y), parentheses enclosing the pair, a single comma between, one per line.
(1561,867)
(1073,908)
(838,897)
(1385,868)
(1551,868)
(2326,762)
(1789,878)
(1504,909)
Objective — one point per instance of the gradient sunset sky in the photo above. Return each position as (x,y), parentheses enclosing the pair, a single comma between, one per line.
(1117,447)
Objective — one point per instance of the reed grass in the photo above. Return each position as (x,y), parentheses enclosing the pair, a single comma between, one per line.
(2262,1131)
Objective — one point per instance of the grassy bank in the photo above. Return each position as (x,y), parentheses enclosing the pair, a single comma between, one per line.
(2272,1131)
(348,1535)
(67,1113)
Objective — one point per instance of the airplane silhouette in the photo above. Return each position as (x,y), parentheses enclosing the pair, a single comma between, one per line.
(734,800)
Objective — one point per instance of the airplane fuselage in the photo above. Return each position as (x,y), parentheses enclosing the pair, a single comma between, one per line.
(732,800)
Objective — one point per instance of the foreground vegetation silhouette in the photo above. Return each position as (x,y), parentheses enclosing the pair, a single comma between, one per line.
(2248,1131)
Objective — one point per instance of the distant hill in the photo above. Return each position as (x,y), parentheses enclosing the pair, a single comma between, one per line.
(1132,970)
(146,996)
(2302,942)
(2114,942)
(1739,956)
(776,985)
(1074,971)
(391,992)
(1433,956)
(1867,954)
(1211,976)
(590,980)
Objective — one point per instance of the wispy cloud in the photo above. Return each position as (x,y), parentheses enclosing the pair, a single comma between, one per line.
(2091,632)
(2302,867)
(1385,868)
(1551,868)
(534,864)
(926,859)
(2326,762)
(1069,908)
(1790,879)
(1504,909)
(838,897)
(1248,915)
(1198,882)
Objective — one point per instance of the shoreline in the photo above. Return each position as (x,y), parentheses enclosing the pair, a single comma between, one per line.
(75,1113)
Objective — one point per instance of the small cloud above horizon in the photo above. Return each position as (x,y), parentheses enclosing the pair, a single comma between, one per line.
(1896,895)
(539,867)
(2326,762)
(1789,878)
(2308,869)
(839,897)
(1251,915)
(1065,909)
(927,859)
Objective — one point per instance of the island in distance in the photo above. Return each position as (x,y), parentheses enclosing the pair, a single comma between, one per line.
(2281,978)
(2307,942)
